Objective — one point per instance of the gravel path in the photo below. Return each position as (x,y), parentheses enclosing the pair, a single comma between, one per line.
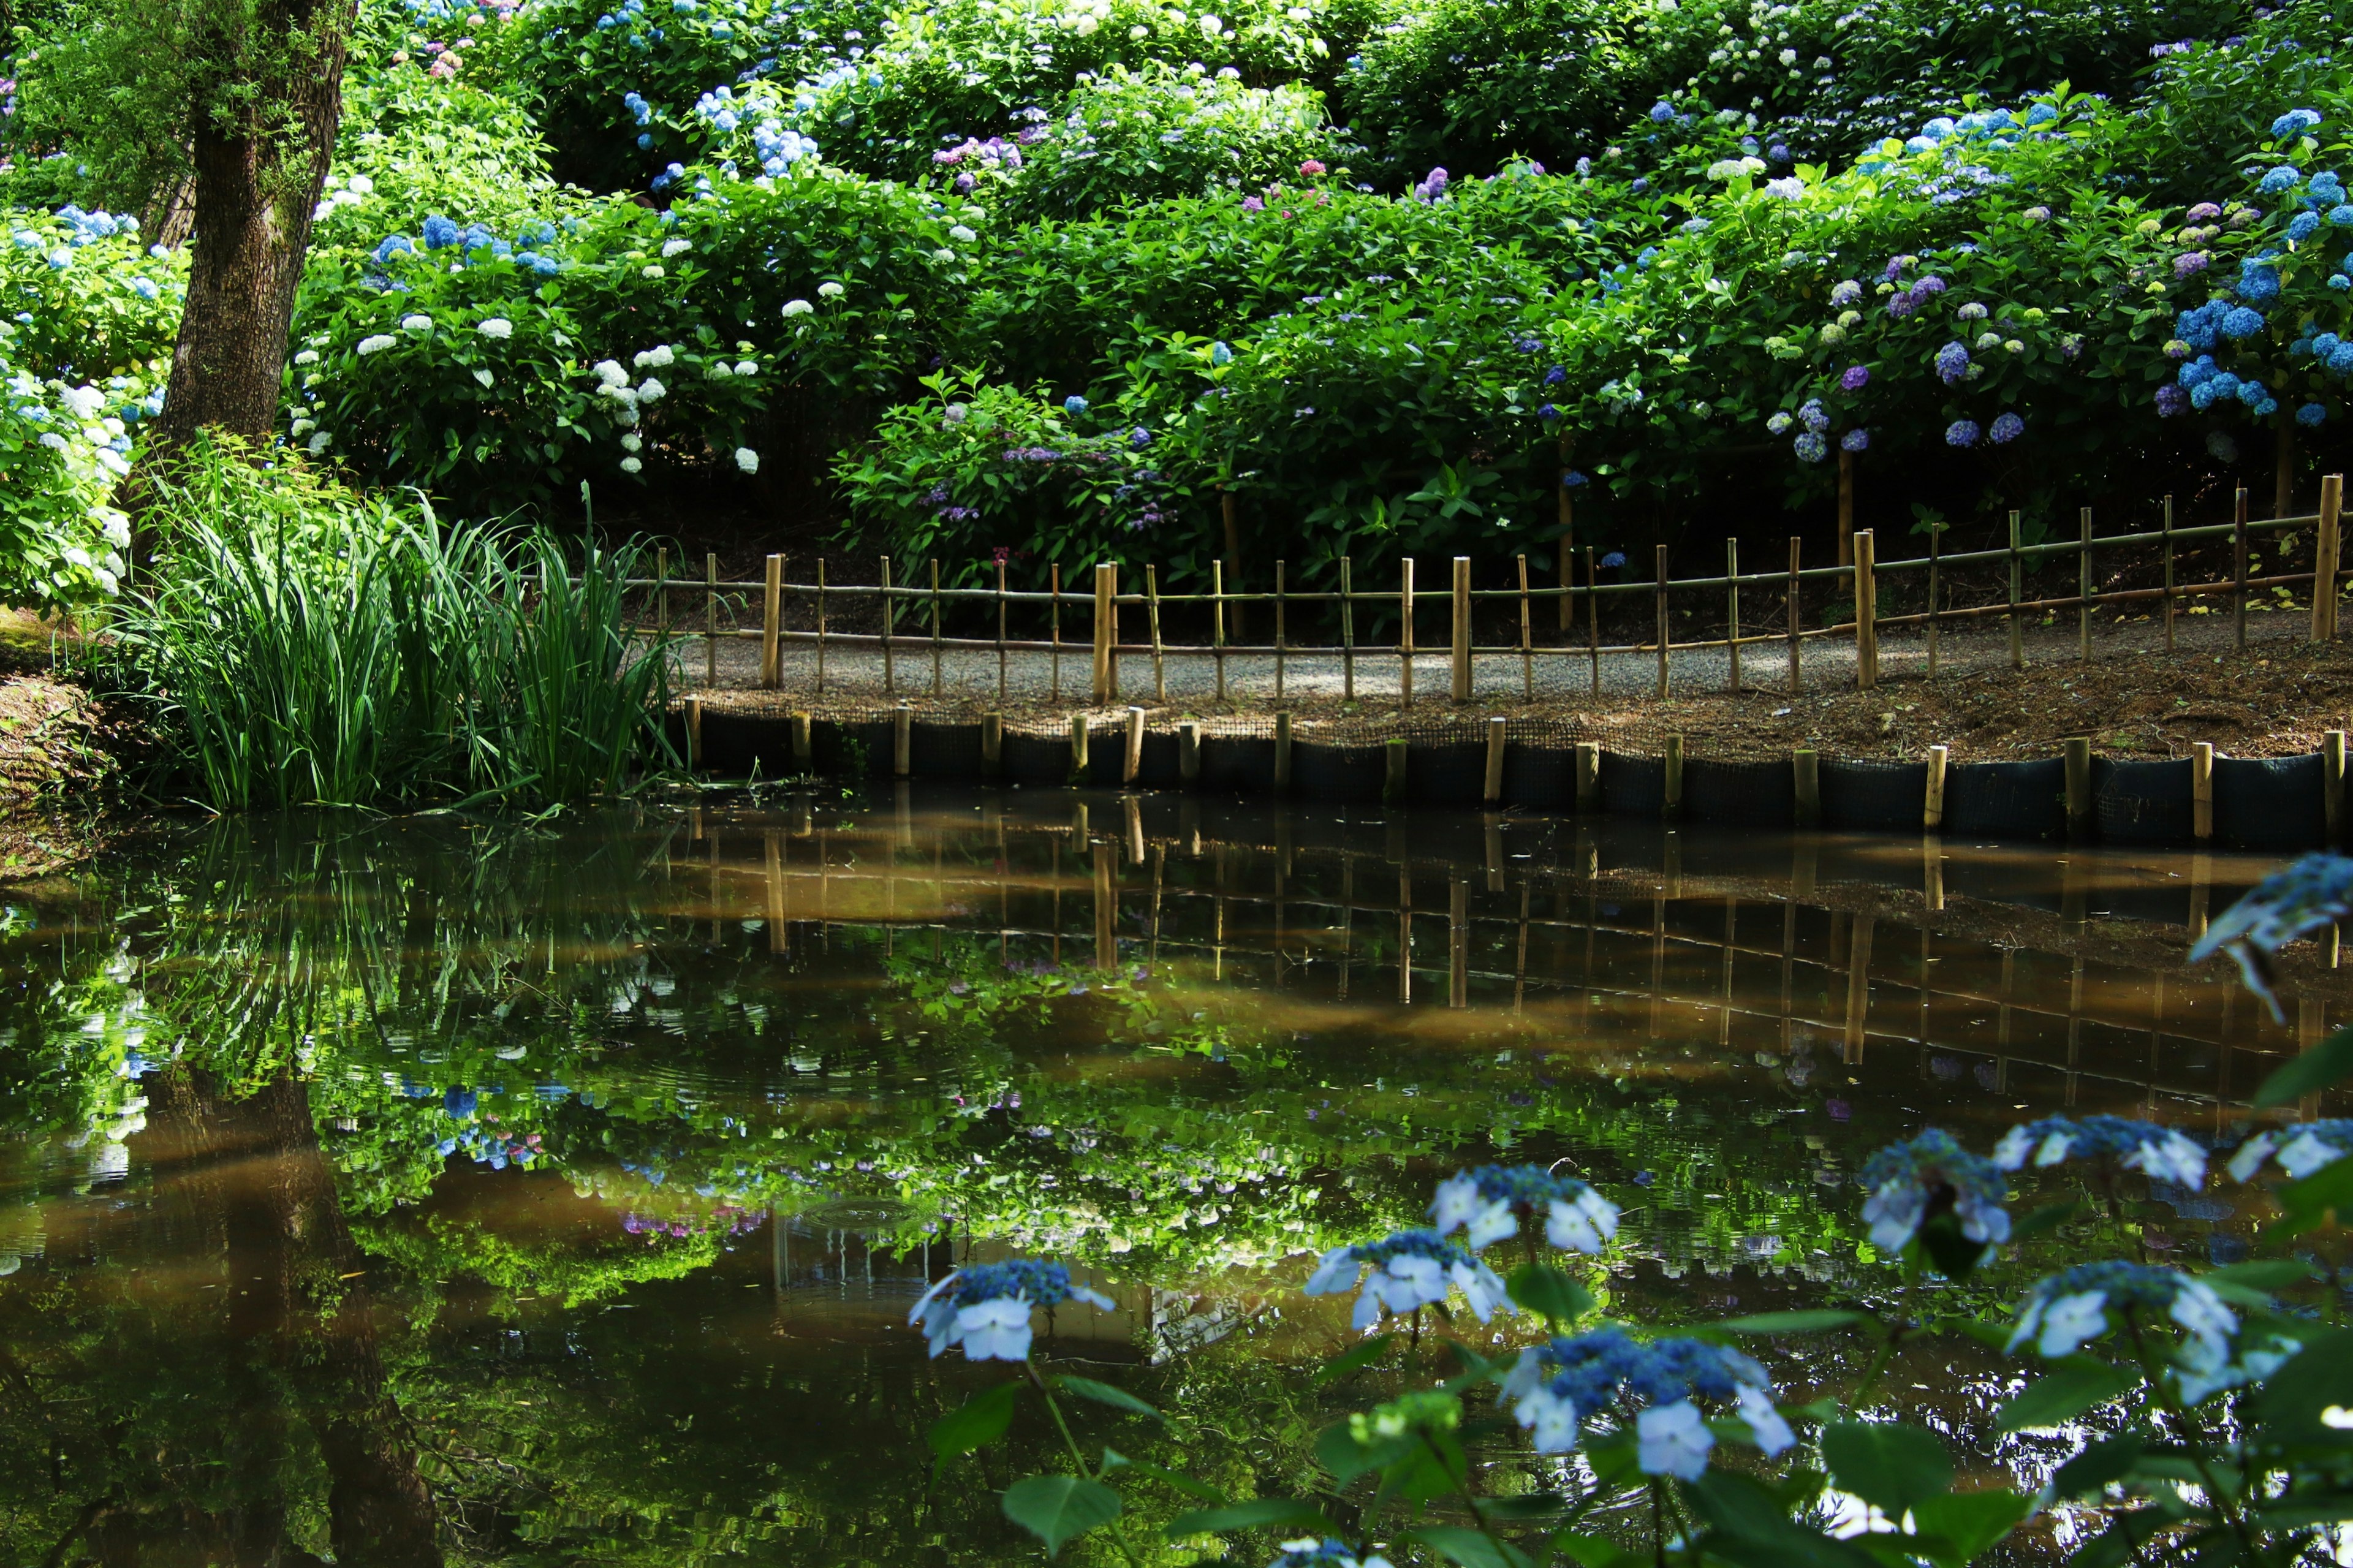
(1827,663)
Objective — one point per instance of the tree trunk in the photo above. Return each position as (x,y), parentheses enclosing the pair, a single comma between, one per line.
(264,134)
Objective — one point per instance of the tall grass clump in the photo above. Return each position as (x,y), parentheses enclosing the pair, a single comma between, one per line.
(303,645)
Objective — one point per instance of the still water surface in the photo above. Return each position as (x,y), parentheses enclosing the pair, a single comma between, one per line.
(556,1193)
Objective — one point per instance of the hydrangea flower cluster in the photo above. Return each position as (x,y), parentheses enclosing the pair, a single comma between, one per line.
(1933,1174)
(2160,1152)
(986,1308)
(2299,1150)
(1411,1270)
(1557,1385)
(1487,1204)
(2304,897)
(2072,1307)
(1309,1552)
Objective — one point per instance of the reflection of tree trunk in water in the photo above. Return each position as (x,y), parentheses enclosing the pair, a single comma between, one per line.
(286,1240)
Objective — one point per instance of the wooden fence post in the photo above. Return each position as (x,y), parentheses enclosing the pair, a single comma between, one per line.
(1054,623)
(1527,646)
(1078,748)
(1461,630)
(889,614)
(1281,633)
(1593,617)
(1866,609)
(2201,792)
(2017,627)
(1732,608)
(1797,621)
(1405,631)
(1348,631)
(2084,585)
(1159,664)
(2165,529)
(2079,786)
(1932,810)
(1493,791)
(772,604)
(1567,549)
(2324,558)
(1666,630)
(935,624)
(1000,629)
(1107,666)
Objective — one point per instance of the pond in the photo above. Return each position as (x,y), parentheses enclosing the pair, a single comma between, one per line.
(440,1190)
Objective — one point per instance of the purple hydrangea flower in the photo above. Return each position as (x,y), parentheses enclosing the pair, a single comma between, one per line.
(2189,263)
(1810,447)
(2007,427)
(1856,378)
(1953,362)
(1855,440)
(1961,433)
(2170,400)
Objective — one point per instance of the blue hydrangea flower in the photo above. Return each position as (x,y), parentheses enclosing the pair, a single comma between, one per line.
(2312,892)
(2006,429)
(1953,362)
(2303,227)
(1813,416)
(2294,123)
(1855,440)
(1846,293)
(439,233)
(1962,433)
(1074,404)
(2312,415)
(1662,111)
(2171,400)
(1486,1204)
(1779,422)
(1410,1269)
(2041,114)
(1555,1384)
(2240,321)
(2301,1150)
(986,1308)
(2259,281)
(1573,479)
(394,245)
(1809,447)
(1932,1174)
(2283,178)
(2068,1309)
(2160,1152)
(1309,1552)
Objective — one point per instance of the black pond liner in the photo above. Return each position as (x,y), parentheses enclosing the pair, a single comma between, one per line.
(1740,794)
(853,749)
(1539,778)
(1162,761)
(1633,786)
(1446,773)
(1873,797)
(2006,800)
(734,744)
(1237,765)
(2269,803)
(1037,758)
(2143,803)
(1337,776)
(943,751)
(1106,758)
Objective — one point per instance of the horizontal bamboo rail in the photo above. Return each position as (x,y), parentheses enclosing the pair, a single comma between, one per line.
(897,608)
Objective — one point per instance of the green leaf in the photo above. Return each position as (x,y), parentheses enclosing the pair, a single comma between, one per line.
(1549,1292)
(976,1422)
(1113,1459)
(1467,1547)
(2262,1274)
(2293,1409)
(1338,1451)
(1104,1394)
(1966,1524)
(1529,1505)
(2046,1216)
(1886,1463)
(1356,1360)
(2315,1069)
(2063,1393)
(2088,1475)
(1748,1525)
(2307,1202)
(1258,1513)
(1819,1320)
(1593,1551)
(1056,1508)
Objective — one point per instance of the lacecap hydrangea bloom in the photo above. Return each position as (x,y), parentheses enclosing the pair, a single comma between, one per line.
(2072,1308)
(1411,1270)
(1309,1552)
(2299,1150)
(1488,1203)
(986,1308)
(2312,892)
(2144,1146)
(1553,1386)
(1932,1174)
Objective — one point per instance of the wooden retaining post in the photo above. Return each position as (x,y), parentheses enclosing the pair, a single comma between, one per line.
(1732,608)
(1932,809)
(1078,748)
(2084,585)
(772,606)
(903,741)
(710,618)
(1405,632)
(804,744)
(693,733)
(1796,625)
(1806,781)
(1671,800)
(1282,754)
(1588,775)
(1189,754)
(2201,791)
(2239,569)
(2332,785)
(1106,633)
(2079,786)
(1133,762)
(2017,573)
(2325,559)
(1493,791)
(889,614)
(1866,610)
(1461,630)
(992,745)
(1393,758)
(1666,632)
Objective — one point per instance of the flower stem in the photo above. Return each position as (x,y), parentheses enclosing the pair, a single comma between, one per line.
(1895,1330)
(1078,1457)
(2193,1440)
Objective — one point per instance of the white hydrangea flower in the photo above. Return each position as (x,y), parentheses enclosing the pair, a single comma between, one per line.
(632,441)
(651,391)
(718,370)
(495,327)
(830,290)
(374,345)
(308,356)
(962,235)
(362,185)
(747,460)
(417,323)
(654,270)
(610,372)
(658,357)
(745,367)
(85,401)
(630,466)
(944,256)
(300,428)
(676,247)
(797,307)
(319,443)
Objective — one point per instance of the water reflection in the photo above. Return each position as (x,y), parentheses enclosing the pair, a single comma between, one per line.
(431,1190)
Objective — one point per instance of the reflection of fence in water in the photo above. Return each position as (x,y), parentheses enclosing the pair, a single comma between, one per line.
(1640,957)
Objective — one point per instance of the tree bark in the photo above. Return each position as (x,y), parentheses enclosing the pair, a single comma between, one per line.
(262,137)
